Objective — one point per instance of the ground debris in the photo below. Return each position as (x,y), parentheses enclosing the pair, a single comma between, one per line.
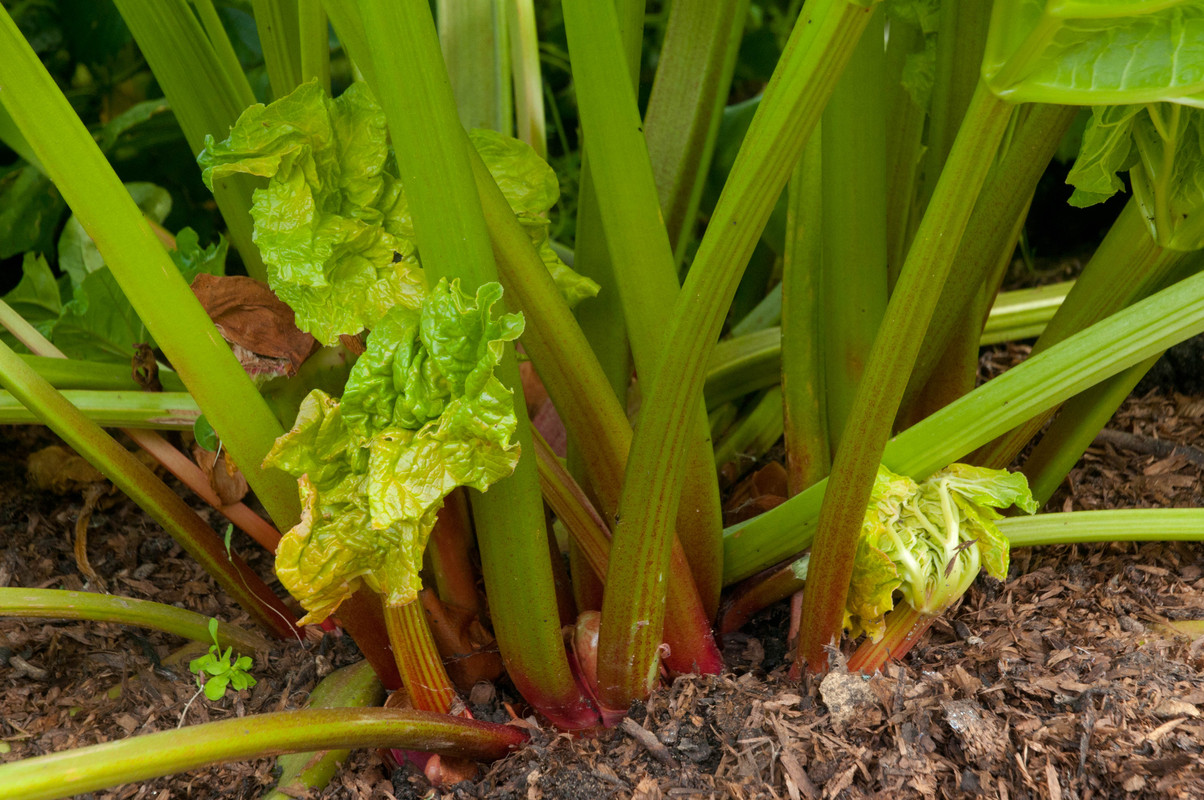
(1065,681)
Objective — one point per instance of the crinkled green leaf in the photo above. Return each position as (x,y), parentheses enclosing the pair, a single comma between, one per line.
(426,358)
(929,540)
(531,188)
(469,445)
(333,224)
(422,413)
(327,222)
(319,444)
(1162,147)
(871,591)
(988,488)
(1091,52)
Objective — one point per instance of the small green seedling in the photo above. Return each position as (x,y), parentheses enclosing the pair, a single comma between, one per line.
(221,670)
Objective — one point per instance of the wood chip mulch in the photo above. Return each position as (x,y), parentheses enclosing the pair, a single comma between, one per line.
(1064,682)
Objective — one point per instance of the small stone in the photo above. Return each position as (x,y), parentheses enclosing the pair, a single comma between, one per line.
(1173,707)
(1134,783)
(1130,625)
(848,698)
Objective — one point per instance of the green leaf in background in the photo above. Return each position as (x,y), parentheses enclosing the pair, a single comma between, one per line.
(1161,145)
(30,206)
(422,414)
(99,323)
(78,255)
(207,438)
(148,114)
(192,259)
(929,540)
(333,224)
(919,67)
(1092,52)
(36,297)
(30,209)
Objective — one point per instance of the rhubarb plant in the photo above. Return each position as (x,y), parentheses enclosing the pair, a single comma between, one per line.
(902,138)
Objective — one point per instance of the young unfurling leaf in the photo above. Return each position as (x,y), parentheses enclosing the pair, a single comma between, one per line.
(929,540)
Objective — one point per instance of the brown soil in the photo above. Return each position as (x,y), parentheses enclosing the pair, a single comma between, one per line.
(1064,682)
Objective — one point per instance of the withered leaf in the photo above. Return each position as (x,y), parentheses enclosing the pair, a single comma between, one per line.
(248,314)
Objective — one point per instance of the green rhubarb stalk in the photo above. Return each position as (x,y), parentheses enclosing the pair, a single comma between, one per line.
(602,320)
(344,16)
(146,274)
(530,125)
(1126,266)
(436,170)
(475,42)
(908,112)
(691,646)
(642,258)
(804,398)
(70,373)
(63,604)
(578,388)
(128,409)
(760,591)
(136,480)
(1075,428)
(355,686)
(990,236)
(450,550)
(817,51)
(314,36)
(911,308)
(1023,313)
(961,38)
(136,758)
(1122,340)
(223,51)
(1114,525)
(418,659)
(744,364)
(278,23)
(752,436)
(693,74)
(764,314)
(852,283)
(207,93)
(753,360)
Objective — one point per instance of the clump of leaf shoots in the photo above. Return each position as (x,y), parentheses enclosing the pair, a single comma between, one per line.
(929,540)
